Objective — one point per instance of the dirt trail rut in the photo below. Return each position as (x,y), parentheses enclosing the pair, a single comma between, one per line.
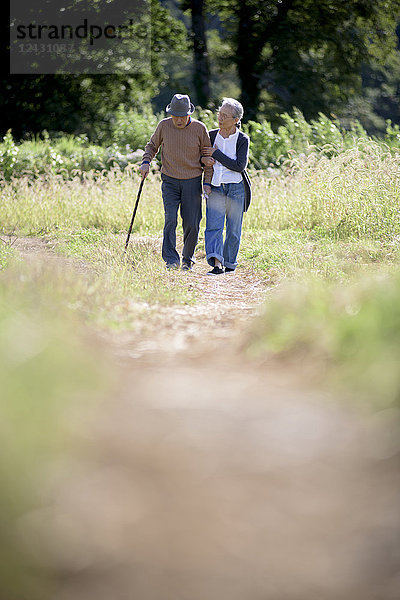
(209,476)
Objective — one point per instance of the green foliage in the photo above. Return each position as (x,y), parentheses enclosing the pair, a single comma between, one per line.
(40,156)
(8,155)
(378,101)
(207,117)
(298,136)
(132,128)
(64,154)
(392,137)
(266,146)
(86,103)
(306,54)
(295,133)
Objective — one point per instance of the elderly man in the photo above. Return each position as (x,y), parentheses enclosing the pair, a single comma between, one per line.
(182,140)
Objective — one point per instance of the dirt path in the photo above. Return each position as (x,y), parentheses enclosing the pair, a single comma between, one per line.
(225,305)
(209,476)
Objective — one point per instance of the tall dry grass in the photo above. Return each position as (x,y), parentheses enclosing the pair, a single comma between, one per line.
(353,194)
(102,201)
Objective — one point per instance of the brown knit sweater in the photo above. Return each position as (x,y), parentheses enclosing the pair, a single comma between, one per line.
(181,149)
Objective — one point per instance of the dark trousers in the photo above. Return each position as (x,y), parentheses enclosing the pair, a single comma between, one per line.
(186,195)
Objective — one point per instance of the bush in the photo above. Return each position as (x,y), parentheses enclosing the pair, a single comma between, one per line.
(298,137)
(207,117)
(66,155)
(8,155)
(392,137)
(132,128)
(266,147)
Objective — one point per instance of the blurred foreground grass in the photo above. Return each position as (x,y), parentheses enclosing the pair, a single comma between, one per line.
(51,370)
(349,333)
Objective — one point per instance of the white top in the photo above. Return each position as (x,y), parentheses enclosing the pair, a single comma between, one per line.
(228,147)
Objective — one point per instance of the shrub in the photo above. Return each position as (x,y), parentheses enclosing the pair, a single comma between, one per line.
(266,147)
(132,128)
(392,137)
(65,155)
(8,155)
(207,117)
(296,136)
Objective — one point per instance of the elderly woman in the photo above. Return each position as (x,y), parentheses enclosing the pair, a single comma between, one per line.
(229,194)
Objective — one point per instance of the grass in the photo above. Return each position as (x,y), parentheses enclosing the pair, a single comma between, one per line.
(140,273)
(90,219)
(296,254)
(350,333)
(50,368)
(94,201)
(7,253)
(353,195)
(333,220)
(330,218)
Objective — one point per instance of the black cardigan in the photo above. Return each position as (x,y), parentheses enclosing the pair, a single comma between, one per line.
(239,164)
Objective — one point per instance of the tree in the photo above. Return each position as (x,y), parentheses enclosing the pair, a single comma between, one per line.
(302,52)
(379,100)
(201,72)
(85,103)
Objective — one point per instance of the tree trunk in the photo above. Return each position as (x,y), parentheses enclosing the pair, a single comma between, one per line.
(252,35)
(249,47)
(201,74)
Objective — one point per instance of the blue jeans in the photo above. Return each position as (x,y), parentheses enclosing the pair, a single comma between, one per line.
(183,194)
(225,201)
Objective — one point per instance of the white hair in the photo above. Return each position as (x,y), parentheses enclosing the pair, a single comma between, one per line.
(237,108)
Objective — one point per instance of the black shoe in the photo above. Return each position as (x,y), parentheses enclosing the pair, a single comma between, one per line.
(229,270)
(216,271)
(172,266)
(187,264)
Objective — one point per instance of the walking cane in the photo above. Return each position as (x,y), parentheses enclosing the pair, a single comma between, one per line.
(134,213)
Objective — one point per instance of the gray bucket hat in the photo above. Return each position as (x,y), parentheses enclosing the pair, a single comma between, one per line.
(180,106)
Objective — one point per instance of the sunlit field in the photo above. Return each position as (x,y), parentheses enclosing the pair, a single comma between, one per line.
(352,195)
(326,216)
(329,218)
